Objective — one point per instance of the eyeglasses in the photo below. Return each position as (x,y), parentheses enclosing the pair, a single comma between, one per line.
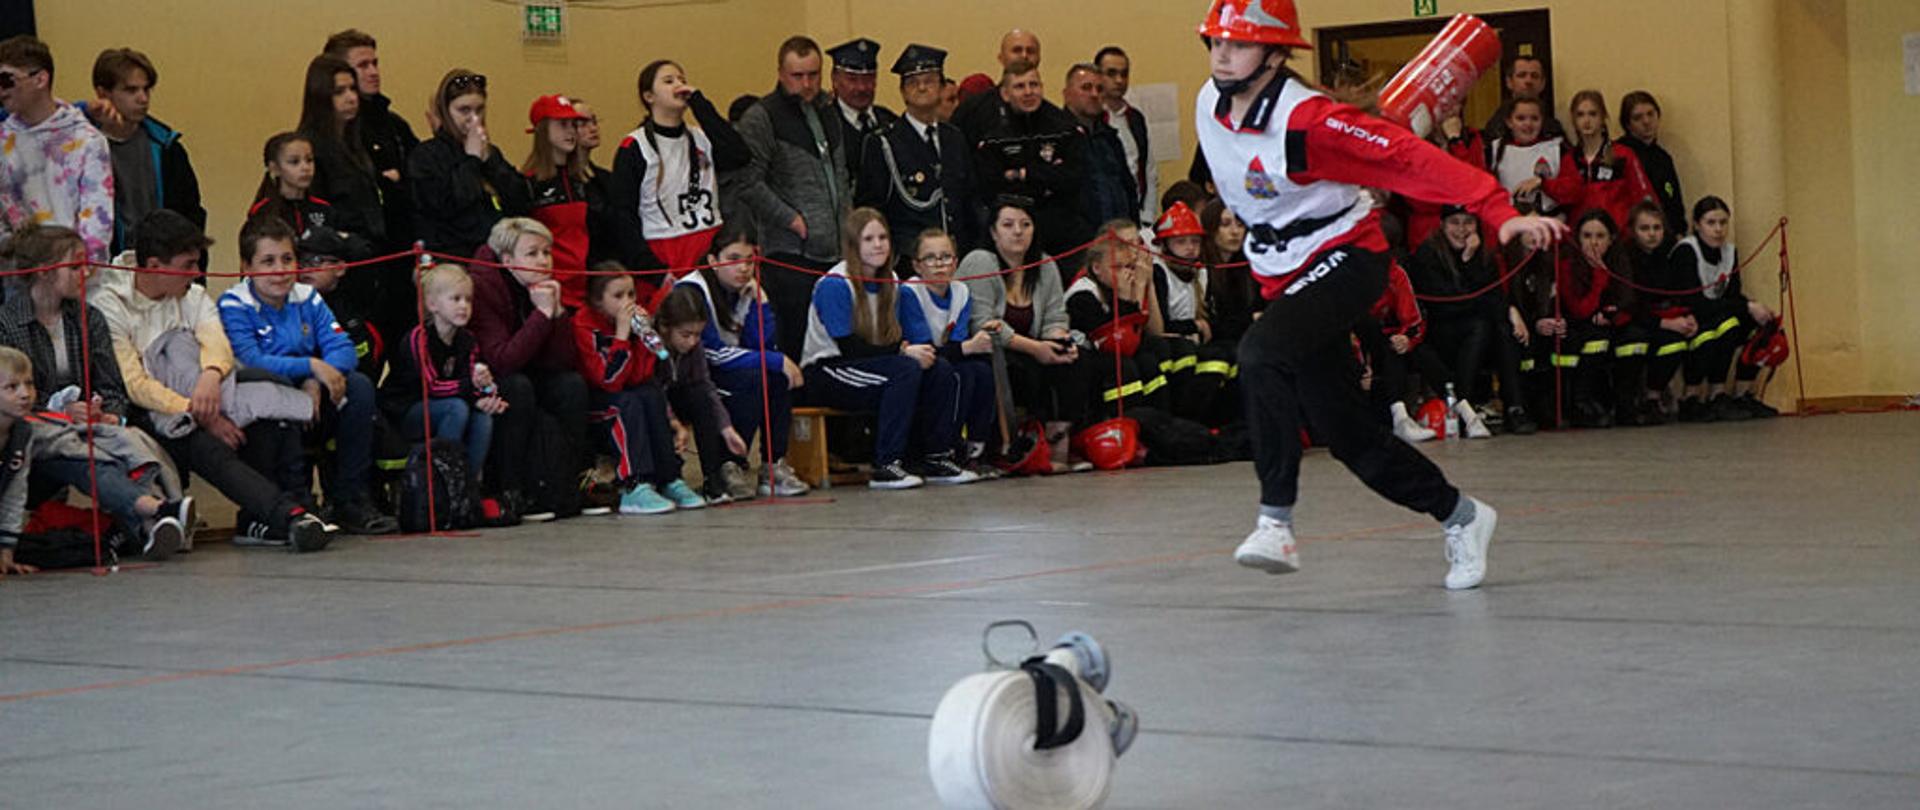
(938,259)
(459,85)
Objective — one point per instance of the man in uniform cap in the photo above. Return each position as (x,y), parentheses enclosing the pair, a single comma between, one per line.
(916,170)
(854,66)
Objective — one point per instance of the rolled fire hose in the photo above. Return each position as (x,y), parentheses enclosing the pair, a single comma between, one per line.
(1037,736)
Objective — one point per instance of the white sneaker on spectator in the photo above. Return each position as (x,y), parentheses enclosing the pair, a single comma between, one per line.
(1476,427)
(1405,428)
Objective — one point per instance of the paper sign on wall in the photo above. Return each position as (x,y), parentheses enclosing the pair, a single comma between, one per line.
(1160,103)
(1912,43)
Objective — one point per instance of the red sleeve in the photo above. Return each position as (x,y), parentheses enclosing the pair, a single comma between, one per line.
(1569,187)
(1327,140)
(1582,307)
(609,365)
(1636,177)
(1470,149)
(1406,309)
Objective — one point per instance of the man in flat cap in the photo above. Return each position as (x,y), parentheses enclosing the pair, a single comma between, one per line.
(854,67)
(916,170)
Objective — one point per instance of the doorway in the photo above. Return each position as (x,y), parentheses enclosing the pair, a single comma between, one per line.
(1372,53)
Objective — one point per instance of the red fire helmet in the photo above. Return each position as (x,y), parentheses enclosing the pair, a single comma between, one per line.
(1122,337)
(1768,347)
(1111,444)
(1267,22)
(1178,221)
(1433,416)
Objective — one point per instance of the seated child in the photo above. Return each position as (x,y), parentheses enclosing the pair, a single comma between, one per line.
(441,360)
(619,365)
(938,313)
(279,325)
(742,358)
(692,398)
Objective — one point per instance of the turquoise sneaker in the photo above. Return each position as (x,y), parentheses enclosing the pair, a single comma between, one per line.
(643,499)
(683,496)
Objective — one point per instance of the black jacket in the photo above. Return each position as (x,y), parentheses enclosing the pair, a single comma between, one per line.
(351,187)
(1050,146)
(900,175)
(179,186)
(1109,191)
(389,141)
(1658,164)
(855,138)
(457,197)
(1433,273)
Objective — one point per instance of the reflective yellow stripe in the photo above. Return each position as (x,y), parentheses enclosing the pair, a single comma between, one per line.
(1595,347)
(1174,366)
(1135,387)
(1528,364)
(1221,367)
(1630,350)
(1725,326)
(1566,360)
(1671,348)
(390,464)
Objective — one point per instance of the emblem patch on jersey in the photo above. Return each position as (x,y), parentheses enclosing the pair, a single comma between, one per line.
(1259,184)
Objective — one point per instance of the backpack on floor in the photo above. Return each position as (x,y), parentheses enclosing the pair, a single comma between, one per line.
(455,500)
(59,535)
(555,461)
(1173,441)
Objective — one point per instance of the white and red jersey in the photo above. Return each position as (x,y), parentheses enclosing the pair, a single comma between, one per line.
(1297,185)
(679,186)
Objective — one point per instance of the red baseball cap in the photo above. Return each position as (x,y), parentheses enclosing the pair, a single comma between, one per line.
(546,108)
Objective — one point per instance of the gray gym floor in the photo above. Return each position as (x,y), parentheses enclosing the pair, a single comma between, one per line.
(1698,616)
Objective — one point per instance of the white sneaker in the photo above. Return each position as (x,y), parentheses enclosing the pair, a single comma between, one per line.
(1476,426)
(1467,548)
(1269,548)
(1406,429)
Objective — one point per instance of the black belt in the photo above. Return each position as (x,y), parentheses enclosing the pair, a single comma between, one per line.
(1047,678)
(1266,238)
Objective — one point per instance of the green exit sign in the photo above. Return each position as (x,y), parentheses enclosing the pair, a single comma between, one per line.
(543,20)
(1426,8)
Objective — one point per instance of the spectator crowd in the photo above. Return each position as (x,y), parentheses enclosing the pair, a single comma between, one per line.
(984,279)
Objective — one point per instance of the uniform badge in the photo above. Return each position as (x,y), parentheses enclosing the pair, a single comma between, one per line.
(1259,185)
(1603,173)
(1046,152)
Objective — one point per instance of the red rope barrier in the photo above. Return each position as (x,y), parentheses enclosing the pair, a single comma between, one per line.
(86,398)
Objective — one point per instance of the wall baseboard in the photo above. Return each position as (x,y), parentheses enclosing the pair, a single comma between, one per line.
(1874,402)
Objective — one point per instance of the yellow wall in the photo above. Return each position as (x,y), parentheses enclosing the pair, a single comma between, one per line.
(231,70)
(1886,203)
(1790,107)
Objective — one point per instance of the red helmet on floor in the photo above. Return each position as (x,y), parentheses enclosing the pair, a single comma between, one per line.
(1122,337)
(1768,347)
(1267,22)
(1433,416)
(1029,453)
(1110,445)
(1178,221)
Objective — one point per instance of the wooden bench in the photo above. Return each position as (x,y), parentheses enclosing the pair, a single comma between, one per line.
(807,449)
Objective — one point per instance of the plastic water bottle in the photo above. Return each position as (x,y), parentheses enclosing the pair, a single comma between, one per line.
(643,326)
(1455,425)
(492,386)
